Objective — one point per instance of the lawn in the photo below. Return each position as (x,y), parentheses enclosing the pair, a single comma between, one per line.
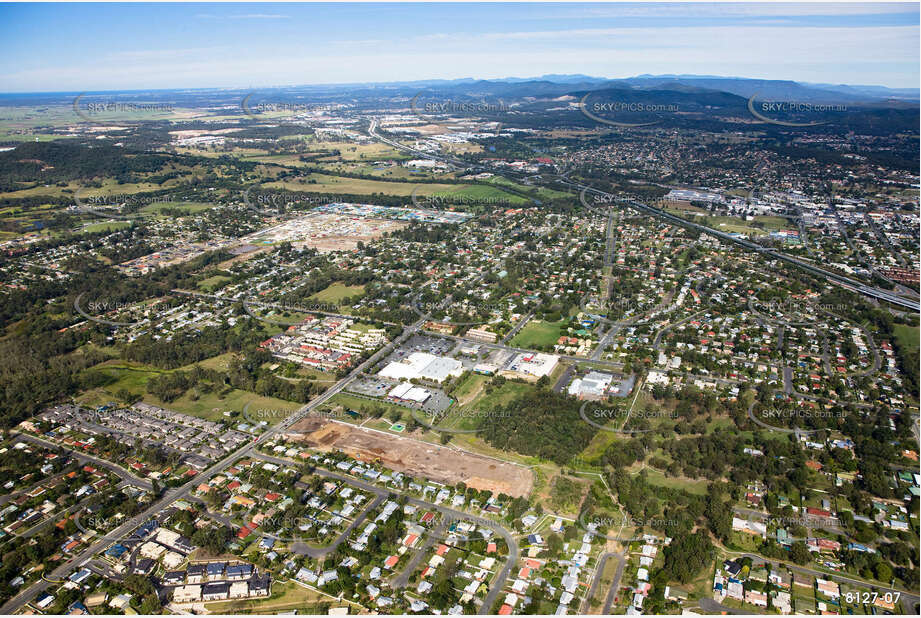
(495,397)
(350,402)
(656,477)
(285,597)
(336,292)
(330,183)
(109,226)
(907,336)
(538,333)
(326,183)
(211,283)
(133,377)
(191,207)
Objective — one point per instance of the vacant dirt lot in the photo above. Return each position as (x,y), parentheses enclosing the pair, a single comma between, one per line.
(438,463)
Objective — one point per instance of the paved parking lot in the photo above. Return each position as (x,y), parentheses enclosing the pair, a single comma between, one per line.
(378,389)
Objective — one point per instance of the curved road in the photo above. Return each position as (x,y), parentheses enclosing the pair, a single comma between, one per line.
(514,551)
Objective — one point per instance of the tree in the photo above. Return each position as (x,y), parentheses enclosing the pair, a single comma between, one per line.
(687,555)
(883,571)
(799,553)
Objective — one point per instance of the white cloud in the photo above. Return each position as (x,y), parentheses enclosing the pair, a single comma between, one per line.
(868,55)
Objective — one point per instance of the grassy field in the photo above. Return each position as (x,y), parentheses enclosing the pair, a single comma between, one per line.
(470,387)
(760,226)
(349,151)
(220,362)
(538,333)
(656,477)
(133,377)
(328,183)
(599,444)
(285,597)
(211,283)
(192,207)
(742,541)
(110,226)
(566,494)
(493,397)
(480,192)
(356,186)
(392,411)
(395,172)
(907,336)
(540,191)
(335,293)
(697,487)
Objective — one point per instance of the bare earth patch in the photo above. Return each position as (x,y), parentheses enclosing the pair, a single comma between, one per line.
(432,461)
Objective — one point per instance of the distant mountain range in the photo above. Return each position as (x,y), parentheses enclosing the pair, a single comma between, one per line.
(765,89)
(545,86)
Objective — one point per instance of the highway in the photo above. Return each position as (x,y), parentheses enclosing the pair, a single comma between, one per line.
(835,278)
(31,592)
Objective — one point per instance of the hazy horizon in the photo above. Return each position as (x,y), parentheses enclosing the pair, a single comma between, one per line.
(445,79)
(104,47)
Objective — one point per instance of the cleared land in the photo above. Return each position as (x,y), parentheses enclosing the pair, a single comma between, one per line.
(327,183)
(439,463)
(537,333)
(133,378)
(336,292)
(907,336)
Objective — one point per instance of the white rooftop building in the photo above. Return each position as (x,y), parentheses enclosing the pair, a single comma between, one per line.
(423,365)
(592,386)
(531,365)
(407,392)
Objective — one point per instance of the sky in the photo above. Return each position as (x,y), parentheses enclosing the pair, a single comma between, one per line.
(89,47)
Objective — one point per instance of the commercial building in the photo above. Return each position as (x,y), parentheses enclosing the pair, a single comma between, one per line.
(422,365)
(530,366)
(593,386)
(482,334)
(408,393)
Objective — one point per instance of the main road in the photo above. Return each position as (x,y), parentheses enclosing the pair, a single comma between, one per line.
(513,549)
(31,592)
(840,280)
(907,597)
